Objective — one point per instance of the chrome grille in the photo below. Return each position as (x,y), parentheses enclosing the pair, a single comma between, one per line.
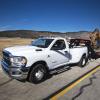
(6,57)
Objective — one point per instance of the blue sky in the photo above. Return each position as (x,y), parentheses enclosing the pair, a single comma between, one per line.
(50,15)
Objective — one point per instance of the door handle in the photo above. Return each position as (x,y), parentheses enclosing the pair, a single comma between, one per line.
(66,51)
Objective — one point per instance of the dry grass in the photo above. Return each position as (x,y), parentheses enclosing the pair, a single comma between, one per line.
(7,42)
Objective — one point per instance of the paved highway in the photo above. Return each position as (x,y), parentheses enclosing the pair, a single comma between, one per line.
(15,90)
(88,89)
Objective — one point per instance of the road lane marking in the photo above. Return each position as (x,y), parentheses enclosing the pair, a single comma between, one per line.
(61,93)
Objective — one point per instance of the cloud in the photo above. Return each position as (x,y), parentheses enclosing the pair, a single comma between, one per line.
(16,25)
(7,27)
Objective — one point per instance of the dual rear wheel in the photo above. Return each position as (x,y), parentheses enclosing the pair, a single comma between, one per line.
(83,61)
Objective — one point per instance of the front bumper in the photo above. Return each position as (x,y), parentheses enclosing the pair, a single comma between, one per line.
(19,73)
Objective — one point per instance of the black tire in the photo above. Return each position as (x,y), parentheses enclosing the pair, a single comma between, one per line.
(38,74)
(83,61)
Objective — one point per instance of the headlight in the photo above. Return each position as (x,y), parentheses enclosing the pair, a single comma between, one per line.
(19,61)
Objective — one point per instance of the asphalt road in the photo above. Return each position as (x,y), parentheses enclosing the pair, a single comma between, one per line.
(15,90)
(88,89)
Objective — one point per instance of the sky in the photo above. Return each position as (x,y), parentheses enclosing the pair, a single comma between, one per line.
(50,15)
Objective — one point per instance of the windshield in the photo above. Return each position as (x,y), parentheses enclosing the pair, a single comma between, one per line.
(43,43)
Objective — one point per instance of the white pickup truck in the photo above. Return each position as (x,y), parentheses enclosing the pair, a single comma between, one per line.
(44,56)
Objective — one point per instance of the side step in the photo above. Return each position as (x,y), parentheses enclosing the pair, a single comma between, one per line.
(59,70)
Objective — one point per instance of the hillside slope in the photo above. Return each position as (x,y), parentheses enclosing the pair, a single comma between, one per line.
(35,34)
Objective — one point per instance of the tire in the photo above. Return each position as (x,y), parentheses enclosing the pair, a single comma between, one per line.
(83,61)
(38,74)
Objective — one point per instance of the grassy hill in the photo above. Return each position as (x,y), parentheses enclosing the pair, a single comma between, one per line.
(26,33)
(35,34)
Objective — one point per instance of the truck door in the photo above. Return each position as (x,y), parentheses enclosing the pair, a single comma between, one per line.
(59,53)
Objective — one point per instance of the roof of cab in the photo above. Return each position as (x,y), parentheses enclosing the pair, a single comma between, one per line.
(52,37)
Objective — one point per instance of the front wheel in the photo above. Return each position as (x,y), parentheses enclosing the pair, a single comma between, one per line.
(37,74)
(83,61)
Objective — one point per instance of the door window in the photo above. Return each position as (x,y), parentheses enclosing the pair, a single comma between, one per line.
(59,45)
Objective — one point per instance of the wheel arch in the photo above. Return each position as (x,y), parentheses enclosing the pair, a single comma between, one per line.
(38,62)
